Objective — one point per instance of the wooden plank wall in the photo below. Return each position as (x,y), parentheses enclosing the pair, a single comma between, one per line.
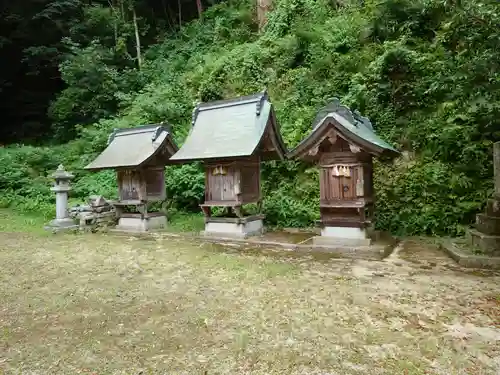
(341,215)
(250,182)
(155,183)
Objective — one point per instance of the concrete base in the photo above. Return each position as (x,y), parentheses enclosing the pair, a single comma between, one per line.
(342,236)
(58,225)
(134,223)
(469,260)
(234,227)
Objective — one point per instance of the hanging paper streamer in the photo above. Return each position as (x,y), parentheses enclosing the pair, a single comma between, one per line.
(220,170)
(335,171)
(341,170)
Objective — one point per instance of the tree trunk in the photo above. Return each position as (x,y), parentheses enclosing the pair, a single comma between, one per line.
(123,10)
(115,21)
(263,7)
(137,39)
(200,8)
(180,13)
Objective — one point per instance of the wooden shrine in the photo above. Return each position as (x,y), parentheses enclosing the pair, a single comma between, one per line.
(232,137)
(342,145)
(139,156)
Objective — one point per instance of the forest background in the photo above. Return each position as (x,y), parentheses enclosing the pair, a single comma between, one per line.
(426,72)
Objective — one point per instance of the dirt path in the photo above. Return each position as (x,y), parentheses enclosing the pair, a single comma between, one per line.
(114,305)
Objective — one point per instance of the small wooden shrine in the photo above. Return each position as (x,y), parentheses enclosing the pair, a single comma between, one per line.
(139,156)
(231,138)
(342,144)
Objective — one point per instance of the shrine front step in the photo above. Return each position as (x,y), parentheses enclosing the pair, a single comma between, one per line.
(234,227)
(488,224)
(489,244)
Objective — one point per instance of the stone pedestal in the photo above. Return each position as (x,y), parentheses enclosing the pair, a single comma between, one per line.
(61,188)
(343,236)
(234,227)
(132,222)
(486,235)
(496,169)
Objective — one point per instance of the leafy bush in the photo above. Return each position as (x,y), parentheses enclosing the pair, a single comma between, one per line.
(426,72)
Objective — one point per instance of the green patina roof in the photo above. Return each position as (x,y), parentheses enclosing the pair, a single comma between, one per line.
(230,128)
(358,129)
(133,147)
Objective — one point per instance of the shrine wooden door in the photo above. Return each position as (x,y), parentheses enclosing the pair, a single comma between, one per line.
(220,184)
(129,185)
(335,185)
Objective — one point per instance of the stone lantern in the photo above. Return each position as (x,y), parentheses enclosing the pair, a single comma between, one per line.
(61,188)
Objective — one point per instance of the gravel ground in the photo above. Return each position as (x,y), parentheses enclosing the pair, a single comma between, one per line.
(102,304)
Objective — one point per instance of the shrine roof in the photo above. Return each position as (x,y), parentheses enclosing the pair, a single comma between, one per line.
(231,128)
(133,147)
(355,128)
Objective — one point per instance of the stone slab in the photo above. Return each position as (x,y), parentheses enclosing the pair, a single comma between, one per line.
(376,251)
(372,252)
(488,224)
(134,223)
(487,243)
(59,225)
(230,229)
(469,260)
(493,207)
(368,252)
(496,168)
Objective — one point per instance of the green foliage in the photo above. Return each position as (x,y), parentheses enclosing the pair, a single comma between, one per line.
(11,221)
(186,186)
(424,196)
(183,222)
(426,72)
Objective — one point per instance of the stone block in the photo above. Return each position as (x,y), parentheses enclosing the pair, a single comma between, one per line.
(343,236)
(340,242)
(493,208)
(233,228)
(59,225)
(134,223)
(488,224)
(489,244)
(97,201)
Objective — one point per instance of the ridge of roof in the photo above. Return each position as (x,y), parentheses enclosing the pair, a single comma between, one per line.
(232,128)
(257,98)
(156,128)
(132,147)
(335,106)
(352,123)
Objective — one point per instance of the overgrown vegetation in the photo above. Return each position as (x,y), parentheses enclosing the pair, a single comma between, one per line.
(426,72)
